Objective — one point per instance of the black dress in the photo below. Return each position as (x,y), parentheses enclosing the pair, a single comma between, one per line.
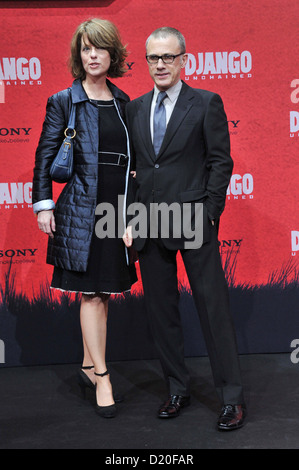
(107,271)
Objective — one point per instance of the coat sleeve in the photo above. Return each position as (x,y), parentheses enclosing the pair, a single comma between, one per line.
(219,161)
(50,140)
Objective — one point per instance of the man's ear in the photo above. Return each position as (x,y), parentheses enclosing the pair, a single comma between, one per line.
(184,60)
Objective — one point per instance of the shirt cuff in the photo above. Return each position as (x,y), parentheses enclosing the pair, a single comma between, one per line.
(45,205)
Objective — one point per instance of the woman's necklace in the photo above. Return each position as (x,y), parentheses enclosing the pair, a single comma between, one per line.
(98,94)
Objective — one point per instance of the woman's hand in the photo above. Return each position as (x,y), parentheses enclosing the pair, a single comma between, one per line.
(128,237)
(46,222)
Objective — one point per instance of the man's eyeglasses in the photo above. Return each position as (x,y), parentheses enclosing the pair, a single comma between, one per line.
(166,58)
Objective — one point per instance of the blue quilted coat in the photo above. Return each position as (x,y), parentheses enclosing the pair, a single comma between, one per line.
(75,207)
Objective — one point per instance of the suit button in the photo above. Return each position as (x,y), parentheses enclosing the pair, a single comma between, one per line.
(157,166)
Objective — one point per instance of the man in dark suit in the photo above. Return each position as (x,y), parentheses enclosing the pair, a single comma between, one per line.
(182,151)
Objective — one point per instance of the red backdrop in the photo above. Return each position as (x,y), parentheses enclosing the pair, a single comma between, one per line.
(248,53)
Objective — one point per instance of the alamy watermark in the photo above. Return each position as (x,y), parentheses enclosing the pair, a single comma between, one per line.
(160,220)
(2,352)
(295,353)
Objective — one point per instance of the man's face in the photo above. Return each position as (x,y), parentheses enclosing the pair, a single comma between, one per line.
(165,75)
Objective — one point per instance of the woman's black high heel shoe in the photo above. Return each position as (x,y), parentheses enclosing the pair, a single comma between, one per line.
(105,411)
(84,381)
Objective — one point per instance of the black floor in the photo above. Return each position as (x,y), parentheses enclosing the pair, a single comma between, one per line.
(41,408)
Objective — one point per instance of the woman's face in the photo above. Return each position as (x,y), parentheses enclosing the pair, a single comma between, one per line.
(95,61)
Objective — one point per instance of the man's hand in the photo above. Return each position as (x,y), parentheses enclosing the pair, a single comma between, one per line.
(127,237)
(46,222)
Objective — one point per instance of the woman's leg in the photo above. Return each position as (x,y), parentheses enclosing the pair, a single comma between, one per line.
(94,313)
(88,362)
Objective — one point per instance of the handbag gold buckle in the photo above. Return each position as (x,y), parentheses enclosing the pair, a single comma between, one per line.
(66,144)
(71,137)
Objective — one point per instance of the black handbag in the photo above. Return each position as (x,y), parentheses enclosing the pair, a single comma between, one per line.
(62,167)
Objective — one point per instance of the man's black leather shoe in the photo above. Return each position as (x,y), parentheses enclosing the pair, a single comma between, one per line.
(172,407)
(231,417)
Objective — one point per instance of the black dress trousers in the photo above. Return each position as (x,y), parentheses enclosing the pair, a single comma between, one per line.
(210,293)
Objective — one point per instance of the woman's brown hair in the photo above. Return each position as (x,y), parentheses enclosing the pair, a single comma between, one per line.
(103,34)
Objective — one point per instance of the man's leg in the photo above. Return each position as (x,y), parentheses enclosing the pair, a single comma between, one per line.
(159,276)
(211,297)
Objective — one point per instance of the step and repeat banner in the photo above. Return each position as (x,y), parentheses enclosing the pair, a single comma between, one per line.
(246,53)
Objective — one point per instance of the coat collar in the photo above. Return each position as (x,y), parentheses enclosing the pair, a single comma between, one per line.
(79,95)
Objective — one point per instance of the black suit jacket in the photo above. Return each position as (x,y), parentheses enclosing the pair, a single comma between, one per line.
(194,162)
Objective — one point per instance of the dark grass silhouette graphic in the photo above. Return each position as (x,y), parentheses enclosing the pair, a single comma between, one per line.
(45,329)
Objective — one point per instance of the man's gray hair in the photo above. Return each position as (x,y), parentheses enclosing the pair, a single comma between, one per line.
(166,31)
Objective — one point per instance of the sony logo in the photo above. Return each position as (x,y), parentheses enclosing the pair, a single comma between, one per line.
(4,131)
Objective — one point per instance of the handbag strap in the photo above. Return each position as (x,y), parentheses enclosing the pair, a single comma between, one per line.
(71,123)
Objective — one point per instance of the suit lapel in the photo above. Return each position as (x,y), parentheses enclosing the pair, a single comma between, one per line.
(182,107)
(144,123)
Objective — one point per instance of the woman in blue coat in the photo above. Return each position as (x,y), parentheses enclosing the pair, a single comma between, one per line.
(83,260)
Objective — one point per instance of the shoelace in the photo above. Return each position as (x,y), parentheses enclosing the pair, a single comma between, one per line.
(174,402)
(228,410)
